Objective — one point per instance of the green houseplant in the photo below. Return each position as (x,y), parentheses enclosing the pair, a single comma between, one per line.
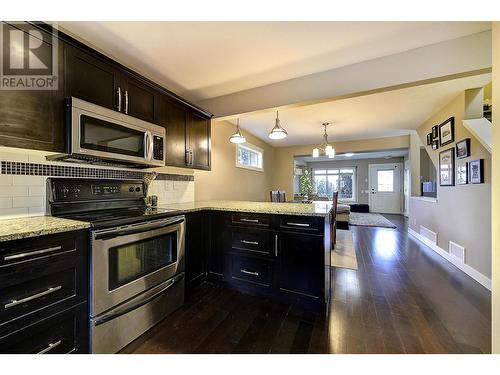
(306,186)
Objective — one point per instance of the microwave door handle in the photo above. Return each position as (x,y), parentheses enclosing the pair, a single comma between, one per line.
(151,145)
(146,145)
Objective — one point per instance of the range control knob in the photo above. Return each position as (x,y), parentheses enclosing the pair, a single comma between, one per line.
(131,189)
(138,189)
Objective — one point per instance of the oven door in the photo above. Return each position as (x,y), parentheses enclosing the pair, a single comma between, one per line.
(102,133)
(127,261)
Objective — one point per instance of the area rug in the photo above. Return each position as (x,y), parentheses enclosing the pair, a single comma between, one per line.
(344,254)
(369,220)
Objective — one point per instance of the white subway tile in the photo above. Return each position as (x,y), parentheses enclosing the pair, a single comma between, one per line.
(37,211)
(28,180)
(37,201)
(6,213)
(11,155)
(14,191)
(36,190)
(5,180)
(6,202)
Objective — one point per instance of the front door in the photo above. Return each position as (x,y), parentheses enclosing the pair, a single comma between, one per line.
(385,188)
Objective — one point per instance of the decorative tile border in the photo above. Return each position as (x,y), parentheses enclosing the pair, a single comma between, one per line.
(34,169)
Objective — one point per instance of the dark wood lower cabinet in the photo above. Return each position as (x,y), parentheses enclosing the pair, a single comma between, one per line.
(195,248)
(44,293)
(282,257)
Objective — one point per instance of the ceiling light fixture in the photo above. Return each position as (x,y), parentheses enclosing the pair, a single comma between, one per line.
(328,149)
(237,137)
(277,132)
(349,154)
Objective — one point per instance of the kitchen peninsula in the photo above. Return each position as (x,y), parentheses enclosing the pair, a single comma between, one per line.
(279,250)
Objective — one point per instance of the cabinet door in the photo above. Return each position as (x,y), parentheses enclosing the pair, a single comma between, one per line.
(90,78)
(33,118)
(139,99)
(174,117)
(199,140)
(195,248)
(300,265)
(219,242)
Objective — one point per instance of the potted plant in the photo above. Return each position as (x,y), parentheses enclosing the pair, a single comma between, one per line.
(306,187)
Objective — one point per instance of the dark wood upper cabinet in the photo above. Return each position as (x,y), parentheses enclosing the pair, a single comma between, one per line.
(198,133)
(90,78)
(174,117)
(33,118)
(140,99)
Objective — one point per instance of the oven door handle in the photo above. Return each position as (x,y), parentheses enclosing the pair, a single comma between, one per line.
(137,228)
(138,301)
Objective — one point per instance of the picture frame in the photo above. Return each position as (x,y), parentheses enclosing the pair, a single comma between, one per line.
(434,132)
(429,139)
(462,173)
(447,167)
(476,171)
(435,145)
(463,148)
(447,132)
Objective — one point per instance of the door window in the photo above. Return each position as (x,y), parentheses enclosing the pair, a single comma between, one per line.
(133,260)
(385,181)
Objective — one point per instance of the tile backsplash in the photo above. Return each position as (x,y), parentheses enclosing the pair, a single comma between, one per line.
(23,176)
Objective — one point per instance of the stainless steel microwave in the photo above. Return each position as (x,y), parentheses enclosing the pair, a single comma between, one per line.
(102,136)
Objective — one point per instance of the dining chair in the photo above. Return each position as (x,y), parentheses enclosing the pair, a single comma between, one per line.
(278,196)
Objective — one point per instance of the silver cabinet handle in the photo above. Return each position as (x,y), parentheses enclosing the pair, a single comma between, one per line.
(298,224)
(250,272)
(125,94)
(119,104)
(51,346)
(276,245)
(16,302)
(249,220)
(250,242)
(31,253)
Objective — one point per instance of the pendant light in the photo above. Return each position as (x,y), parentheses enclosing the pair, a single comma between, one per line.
(277,132)
(325,146)
(237,137)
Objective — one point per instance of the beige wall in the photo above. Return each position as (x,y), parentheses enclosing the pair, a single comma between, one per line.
(496,190)
(462,213)
(227,182)
(361,172)
(283,167)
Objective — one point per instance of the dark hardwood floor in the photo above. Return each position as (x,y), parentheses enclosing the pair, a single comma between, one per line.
(404,298)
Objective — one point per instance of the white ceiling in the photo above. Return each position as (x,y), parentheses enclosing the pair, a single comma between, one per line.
(386,154)
(202,60)
(384,114)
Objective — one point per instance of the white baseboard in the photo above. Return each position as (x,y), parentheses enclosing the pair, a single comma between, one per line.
(476,275)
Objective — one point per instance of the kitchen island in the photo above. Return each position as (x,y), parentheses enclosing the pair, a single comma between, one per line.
(277,250)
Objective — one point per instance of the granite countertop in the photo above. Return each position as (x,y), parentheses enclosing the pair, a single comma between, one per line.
(24,227)
(301,209)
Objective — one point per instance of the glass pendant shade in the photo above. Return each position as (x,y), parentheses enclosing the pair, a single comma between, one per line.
(328,150)
(277,132)
(237,137)
(331,155)
(315,152)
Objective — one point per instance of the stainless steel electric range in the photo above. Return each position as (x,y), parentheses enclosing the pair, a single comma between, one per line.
(137,256)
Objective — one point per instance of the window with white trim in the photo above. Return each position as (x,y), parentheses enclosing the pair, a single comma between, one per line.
(343,180)
(250,157)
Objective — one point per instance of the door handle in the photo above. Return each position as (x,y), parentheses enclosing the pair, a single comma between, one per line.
(250,242)
(16,302)
(276,245)
(126,101)
(249,220)
(119,103)
(51,346)
(30,253)
(250,272)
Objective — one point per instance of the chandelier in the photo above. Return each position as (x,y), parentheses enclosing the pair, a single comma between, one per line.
(327,149)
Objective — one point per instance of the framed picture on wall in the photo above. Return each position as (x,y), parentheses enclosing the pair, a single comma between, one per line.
(476,171)
(429,139)
(447,132)
(447,167)
(463,148)
(434,132)
(435,145)
(462,173)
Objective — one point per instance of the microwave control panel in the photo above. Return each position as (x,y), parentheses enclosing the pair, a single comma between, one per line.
(157,148)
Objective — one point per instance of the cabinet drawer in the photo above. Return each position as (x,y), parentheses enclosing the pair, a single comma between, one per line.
(37,248)
(252,240)
(37,293)
(252,270)
(59,334)
(302,224)
(251,220)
